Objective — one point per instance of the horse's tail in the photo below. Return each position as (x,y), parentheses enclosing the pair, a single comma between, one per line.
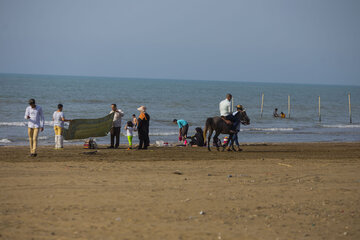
(206,128)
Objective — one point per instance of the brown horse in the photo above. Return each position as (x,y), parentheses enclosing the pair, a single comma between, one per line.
(218,125)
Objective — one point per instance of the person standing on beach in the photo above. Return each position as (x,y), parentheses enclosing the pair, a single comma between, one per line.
(235,139)
(35,116)
(116,126)
(143,128)
(129,127)
(59,119)
(183,128)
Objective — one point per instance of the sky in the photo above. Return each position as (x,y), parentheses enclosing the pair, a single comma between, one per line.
(292,41)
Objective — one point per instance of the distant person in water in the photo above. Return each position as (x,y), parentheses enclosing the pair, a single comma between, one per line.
(183,128)
(275,114)
(116,126)
(283,115)
(143,128)
(35,116)
(59,119)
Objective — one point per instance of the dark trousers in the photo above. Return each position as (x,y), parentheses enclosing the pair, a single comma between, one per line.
(115,133)
(144,140)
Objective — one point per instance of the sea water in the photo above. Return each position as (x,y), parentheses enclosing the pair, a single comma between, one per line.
(194,101)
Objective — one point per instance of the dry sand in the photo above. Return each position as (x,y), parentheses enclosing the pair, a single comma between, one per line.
(275,191)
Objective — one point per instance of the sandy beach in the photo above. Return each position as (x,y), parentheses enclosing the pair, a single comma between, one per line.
(268,191)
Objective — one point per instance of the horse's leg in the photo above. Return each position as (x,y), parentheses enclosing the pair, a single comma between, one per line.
(216,140)
(209,138)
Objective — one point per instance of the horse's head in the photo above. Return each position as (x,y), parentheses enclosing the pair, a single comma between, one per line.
(243,117)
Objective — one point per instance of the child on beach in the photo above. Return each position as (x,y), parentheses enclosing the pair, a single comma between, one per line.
(59,119)
(129,127)
(134,121)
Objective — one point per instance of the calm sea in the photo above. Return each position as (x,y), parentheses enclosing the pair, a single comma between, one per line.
(194,101)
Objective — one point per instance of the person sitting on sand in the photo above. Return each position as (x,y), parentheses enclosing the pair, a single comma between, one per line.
(283,115)
(275,114)
(183,128)
(197,140)
(129,127)
(35,115)
(59,119)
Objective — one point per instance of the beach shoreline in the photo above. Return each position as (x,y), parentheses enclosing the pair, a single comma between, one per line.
(267,191)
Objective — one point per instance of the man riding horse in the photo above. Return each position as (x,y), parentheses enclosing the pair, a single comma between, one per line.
(226,124)
(226,114)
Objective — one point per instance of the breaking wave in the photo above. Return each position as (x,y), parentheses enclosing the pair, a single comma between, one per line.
(342,126)
(5,140)
(268,129)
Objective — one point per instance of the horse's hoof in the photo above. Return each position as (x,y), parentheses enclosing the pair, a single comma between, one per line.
(239,150)
(229,150)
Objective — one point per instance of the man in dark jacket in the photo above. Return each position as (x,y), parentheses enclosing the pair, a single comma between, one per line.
(143,128)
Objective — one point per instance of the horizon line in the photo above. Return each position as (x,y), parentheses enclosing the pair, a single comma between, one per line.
(179,79)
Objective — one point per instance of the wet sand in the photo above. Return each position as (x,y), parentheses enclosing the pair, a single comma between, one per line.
(272,191)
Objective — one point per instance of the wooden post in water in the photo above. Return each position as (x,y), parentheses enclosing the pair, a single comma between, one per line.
(288,106)
(232,104)
(319,111)
(349,95)
(262,105)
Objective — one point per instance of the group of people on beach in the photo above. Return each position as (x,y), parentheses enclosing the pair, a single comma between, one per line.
(35,116)
(141,125)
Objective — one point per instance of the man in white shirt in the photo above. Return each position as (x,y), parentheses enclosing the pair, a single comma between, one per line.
(225,109)
(35,115)
(116,127)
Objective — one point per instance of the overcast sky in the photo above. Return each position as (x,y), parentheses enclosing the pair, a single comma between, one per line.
(303,41)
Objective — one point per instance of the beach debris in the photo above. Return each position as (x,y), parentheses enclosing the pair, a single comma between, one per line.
(284,164)
(345,233)
(161,143)
(178,172)
(209,174)
(118,219)
(230,176)
(202,213)
(244,175)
